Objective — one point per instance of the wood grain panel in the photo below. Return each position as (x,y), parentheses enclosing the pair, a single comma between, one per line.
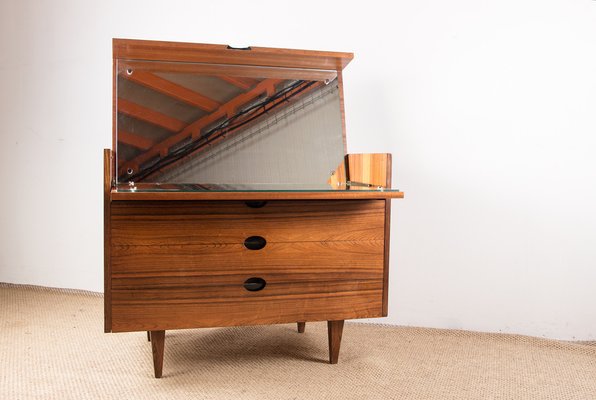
(213,53)
(371,168)
(254,73)
(107,229)
(298,257)
(171,231)
(233,292)
(128,316)
(297,207)
(213,223)
(236,278)
(342,109)
(387,244)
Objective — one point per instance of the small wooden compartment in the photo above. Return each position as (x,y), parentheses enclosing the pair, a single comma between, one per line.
(229,199)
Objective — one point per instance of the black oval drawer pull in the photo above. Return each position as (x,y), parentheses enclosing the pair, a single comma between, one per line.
(255,243)
(254,284)
(255,204)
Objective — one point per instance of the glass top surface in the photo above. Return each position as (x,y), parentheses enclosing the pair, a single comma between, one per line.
(255,187)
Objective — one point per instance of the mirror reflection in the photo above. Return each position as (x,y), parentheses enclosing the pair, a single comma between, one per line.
(227,125)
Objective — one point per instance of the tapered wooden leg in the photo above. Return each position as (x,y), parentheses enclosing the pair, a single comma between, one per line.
(301,326)
(334,330)
(148,336)
(157,345)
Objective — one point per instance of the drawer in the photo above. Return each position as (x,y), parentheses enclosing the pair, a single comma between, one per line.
(225,259)
(180,223)
(162,303)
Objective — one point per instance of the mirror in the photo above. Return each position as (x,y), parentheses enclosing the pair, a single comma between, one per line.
(227,125)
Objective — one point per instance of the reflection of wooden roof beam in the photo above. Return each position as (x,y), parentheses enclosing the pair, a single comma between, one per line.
(242,83)
(146,114)
(299,91)
(134,140)
(172,89)
(270,106)
(194,129)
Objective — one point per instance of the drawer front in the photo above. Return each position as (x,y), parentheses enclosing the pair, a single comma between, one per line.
(273,310)
(185,265)
(169,223)
(193,260)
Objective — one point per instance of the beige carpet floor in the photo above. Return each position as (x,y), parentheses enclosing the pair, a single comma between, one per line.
(52,346)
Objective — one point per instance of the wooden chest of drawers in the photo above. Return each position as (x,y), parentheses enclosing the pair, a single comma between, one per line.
(229,198)
(175,264)
(184,264)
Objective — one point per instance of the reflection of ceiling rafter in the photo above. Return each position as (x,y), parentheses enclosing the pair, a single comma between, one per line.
(135,140)
(172,89)
(193,130)
(225,129)
(242,83)
(146,114)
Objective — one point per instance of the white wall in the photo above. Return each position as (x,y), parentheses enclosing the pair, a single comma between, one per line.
(487,106)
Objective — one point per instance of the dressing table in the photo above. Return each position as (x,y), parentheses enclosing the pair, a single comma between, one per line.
(229,198)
